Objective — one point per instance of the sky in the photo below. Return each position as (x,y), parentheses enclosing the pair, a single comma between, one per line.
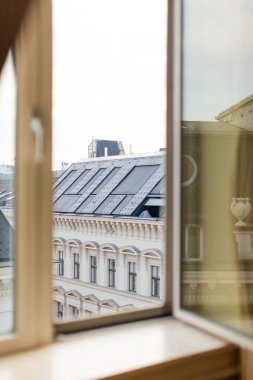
(7,113)
(109,75)
(109,71)
(218,56)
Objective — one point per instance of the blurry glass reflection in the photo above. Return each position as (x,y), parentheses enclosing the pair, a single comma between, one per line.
(217,161)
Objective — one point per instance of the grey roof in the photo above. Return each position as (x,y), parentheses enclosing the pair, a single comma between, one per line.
(211,127)
(6,239)
(110,186)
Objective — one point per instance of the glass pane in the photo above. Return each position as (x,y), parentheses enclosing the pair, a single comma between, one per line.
(109,91)
(217,159)
(7,195)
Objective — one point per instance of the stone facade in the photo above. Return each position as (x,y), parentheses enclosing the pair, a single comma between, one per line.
(78,239)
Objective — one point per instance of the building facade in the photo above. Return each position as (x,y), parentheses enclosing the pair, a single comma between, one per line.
(109,236)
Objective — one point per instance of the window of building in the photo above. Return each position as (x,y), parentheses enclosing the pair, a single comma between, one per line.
(87,313)
(93,269)
(76,265)
(155,281)
(74,311)
(40,249)
(25,215)
(97,201)
(111,273)
(216,163)
(192,243)
(132,277)
(59,310)
(61,263)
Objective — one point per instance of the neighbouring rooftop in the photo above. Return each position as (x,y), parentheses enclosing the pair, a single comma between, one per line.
(116,186)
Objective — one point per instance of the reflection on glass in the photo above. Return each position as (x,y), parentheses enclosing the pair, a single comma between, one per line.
(217,159)
(7,195)
(109,90)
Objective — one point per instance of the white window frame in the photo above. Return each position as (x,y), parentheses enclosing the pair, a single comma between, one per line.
(60,259)
(155,278)
(111,272)
(132,276)
(76,266)
(93,269)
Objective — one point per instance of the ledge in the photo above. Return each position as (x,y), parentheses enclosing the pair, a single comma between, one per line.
(154,349)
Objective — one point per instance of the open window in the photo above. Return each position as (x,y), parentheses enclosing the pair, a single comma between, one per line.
(215,139)
(25,236)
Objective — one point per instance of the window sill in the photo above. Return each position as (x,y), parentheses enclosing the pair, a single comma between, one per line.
(153,349)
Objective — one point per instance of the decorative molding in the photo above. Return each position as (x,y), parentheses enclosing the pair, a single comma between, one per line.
(137,229)
(6,287)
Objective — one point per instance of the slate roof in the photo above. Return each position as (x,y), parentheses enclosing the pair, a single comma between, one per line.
(6,239)
(117,185)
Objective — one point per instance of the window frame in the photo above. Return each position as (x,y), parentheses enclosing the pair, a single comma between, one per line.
(60,310)
(76,266)
(111,273)
(185,249)
(93,269)
(155,281)
(60,271)
(74,311)
(33,237)
(34,324)
(174,131)
(132,276)
(172,117)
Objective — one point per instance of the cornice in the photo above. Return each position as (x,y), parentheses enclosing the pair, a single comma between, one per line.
(120,227)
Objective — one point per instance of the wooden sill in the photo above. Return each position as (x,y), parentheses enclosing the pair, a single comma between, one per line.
(153,349)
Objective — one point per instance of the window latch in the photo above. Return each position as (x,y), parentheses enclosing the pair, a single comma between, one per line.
(37,129)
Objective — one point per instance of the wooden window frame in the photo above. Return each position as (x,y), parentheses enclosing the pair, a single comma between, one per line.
(174,211)
(33,235)
(172,118)
(33,272)
(34,326)
(34,69)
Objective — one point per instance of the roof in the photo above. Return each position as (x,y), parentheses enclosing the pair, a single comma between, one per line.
(211,127)
(6,239)
(114,186)
(235,107)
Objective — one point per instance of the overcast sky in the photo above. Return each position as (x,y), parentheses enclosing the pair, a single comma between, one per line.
(218,56)
(109,79)
(7,113)
(109,75)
